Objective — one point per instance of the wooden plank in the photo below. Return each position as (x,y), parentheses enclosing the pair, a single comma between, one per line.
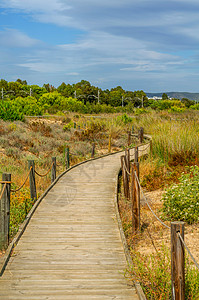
(72,247)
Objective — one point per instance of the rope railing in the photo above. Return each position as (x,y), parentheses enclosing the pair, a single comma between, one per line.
(18,189)
(43,175)
(193,259)
(142,150)
(73,154)
(145,199)
(3,190)
(131,183)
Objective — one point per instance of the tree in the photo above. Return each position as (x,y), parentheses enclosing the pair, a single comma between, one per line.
(23,82)
(49,87)
(66,90)
(3,84)
(187,102)
(115,97)
(165,96)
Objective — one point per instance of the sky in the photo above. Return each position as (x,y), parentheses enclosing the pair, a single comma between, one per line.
(150,45)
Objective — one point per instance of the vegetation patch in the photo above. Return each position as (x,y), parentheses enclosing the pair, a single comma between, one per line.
(181,201)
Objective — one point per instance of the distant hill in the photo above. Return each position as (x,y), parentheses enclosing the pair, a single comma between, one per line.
(178,95)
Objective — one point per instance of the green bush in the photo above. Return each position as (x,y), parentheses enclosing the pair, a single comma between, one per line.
(9,112)
(181,201)
(191,281)
(195,107)
(176,108)
(125,119)
(28,106)
(153,271)
(166,104)
(68,126)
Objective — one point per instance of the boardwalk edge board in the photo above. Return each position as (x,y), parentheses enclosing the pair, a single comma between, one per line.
(5,258)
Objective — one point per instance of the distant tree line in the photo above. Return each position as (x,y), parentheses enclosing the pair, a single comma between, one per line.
(19,99)
(83,91)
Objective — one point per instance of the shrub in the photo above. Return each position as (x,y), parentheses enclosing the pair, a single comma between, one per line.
(28,106)
(166,104)
(153,271)
(9,112)
(176,108)
(125,119)
(181,201)
(20,205)
(68,126)
(196,106)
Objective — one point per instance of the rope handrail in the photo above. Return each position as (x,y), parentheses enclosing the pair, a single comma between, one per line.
(141,150)
(43,175)
(14,191)
(149,204)
(182,240)
(148,145)
(3,190)
(73,154)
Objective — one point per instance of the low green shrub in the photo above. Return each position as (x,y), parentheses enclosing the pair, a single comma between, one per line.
(191,282)
(181,201)
(153,272)
(176,108)
(195,106)
(68,126)
(125,119)
(20,205)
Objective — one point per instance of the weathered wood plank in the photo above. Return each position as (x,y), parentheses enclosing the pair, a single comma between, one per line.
(72,247)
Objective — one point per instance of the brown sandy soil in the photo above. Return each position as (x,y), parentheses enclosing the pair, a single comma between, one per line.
(154,233)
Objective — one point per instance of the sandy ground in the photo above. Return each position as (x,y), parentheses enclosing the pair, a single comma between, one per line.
(154,233)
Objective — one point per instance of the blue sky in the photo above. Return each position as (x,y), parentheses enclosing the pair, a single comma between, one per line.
(151,45)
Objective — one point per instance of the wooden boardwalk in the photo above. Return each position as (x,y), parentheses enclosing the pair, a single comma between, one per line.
(72,248)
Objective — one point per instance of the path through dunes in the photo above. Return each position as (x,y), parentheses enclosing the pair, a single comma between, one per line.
(72,248)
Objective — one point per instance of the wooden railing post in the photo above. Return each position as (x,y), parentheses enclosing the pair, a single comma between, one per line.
(124,176)
(127,161)
(53,174)
(151,146)
(135,198)
(136,154)
(33,191)
(109,144)
(67,157)
(127,154)
(141,134)
(93,151)
(5,212)
(177,261)
(129,138)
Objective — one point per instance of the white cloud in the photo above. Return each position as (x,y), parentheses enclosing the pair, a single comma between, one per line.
(14,38)
(121,39)
(36,5)
(98,50)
